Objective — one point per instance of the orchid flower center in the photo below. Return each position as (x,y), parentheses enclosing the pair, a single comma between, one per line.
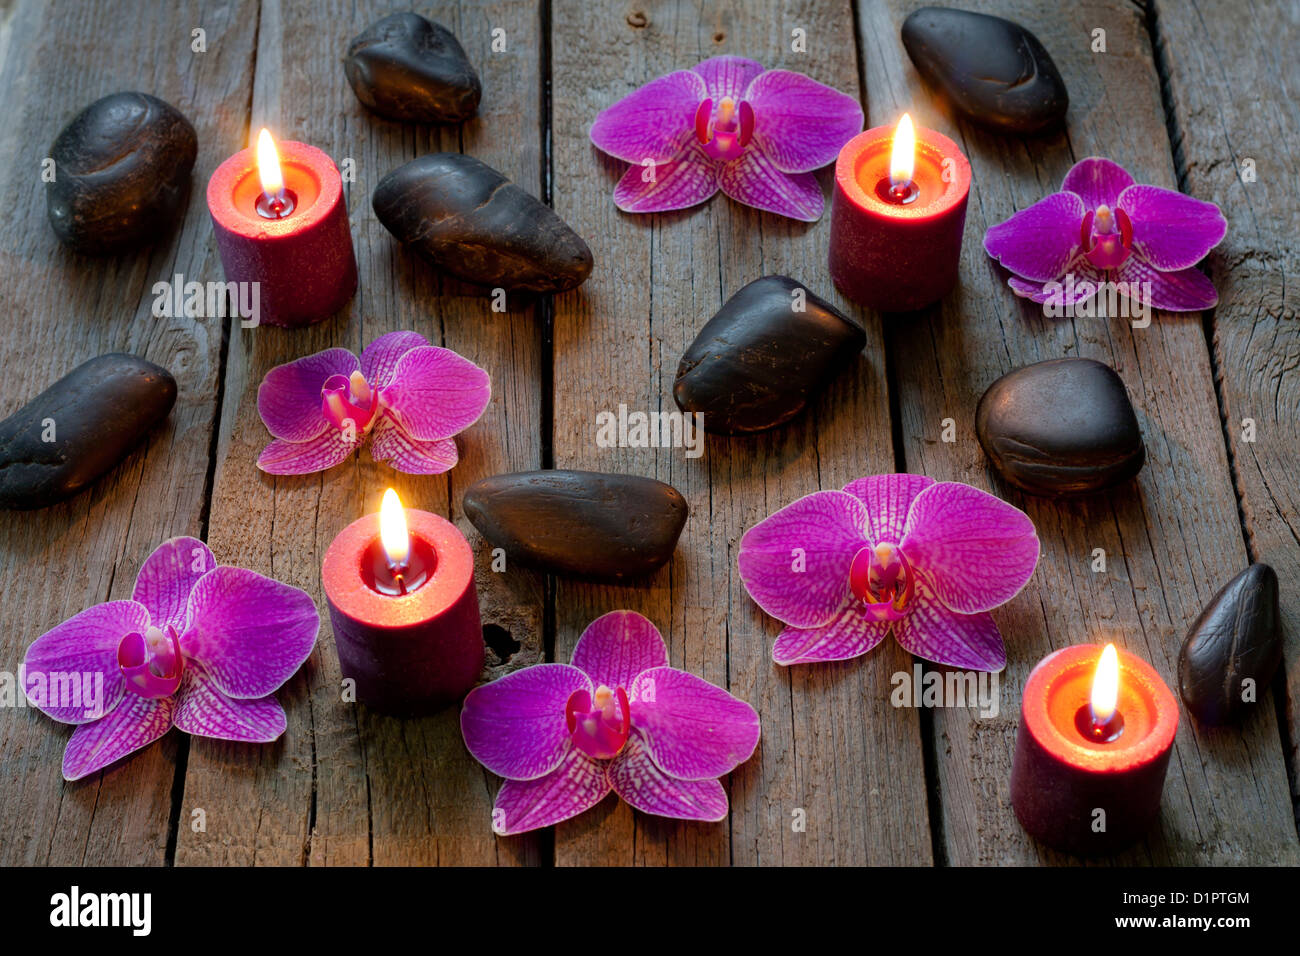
(348,402)
(151,662)
(598,723)
(724,129)
(1106,236)
(881,579)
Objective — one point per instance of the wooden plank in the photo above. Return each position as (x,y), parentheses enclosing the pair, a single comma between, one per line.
(1171,540)
(346,786)
(1213,56)
(831,744)
(65,310)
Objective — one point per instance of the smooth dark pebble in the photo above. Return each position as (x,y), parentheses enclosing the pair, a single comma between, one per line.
(1237,638)
(121,173)
(407,68)
(582,523)
(98,412)
(993,70)
(759,361)
(1060,427)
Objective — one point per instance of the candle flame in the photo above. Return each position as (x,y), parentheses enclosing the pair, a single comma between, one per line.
(902,160)
(268,166)
(1105,685)
(392,529)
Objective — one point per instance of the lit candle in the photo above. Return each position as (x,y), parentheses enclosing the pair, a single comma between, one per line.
(402,601)
(1096,730)
(897,215)
(281,222)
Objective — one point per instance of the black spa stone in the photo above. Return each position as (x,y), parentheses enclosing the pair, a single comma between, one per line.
(765,354)
(121,174)
(411,69)
(1232,649)
(1060,427)
(581,523)
(994,71)
(472,222)
(79,428)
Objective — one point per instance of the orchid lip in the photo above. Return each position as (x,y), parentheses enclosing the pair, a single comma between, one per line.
(347,399)
(881,578)
(599,724)
(725,130)
(152,662)
(1106,237)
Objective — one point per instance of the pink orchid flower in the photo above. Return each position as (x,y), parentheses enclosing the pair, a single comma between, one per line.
(727,124)
(1103,227)
(198,646)
(408,396)
(925,559)
(618,718)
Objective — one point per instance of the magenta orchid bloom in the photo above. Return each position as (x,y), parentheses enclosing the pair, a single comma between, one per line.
(1103,227)
(727,124)
(198,646)
(410,397)
(618,718)
(926,559)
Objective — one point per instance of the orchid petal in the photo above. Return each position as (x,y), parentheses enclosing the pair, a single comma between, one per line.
(618,646)
(801,124)
(727,76)
(390,442)
(166,578)
(435,393)
(302,458)
(204,711)
(975,550)
(515,725)
(1187,290)
(934,633)
(289,397)
(79,678)
(648,123)
(692,729)
(1172,231)
(1038,242)
(685,180)
(887,498)
(795,563)
(136,722)
(849,634)
(576,784)
(381,355)
(1087,280)
(644,786)
(251,633)
(754,180)
(1097,181)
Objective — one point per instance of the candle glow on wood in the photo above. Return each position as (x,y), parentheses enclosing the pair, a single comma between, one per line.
(392,530)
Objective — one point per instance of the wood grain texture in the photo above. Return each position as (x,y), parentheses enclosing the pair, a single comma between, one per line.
(1213,56)
(63,309)
(345,786)
(831,745)
(1171,539)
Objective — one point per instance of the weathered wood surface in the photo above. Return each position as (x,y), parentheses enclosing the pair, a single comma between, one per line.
(875,784)
(1240,147)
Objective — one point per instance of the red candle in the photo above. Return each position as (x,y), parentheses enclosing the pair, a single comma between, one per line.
(897,216)
(1096,730)
(400,589)
(281,222)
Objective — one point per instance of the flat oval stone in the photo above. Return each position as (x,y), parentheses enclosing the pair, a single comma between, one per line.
(759,361)
(475,224)
(94,416)
(121,173)
(1060,427)
(1236,639)
(994,71)
(583,523)
(408,68)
